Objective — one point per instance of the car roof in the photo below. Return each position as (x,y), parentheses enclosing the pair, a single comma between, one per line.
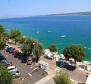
(2,57)
(11,67)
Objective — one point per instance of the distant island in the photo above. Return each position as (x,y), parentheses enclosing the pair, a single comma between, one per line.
(74,13)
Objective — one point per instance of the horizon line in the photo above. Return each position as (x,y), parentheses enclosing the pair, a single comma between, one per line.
(43,15)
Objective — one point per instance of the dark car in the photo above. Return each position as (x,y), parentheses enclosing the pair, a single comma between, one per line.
(5,63)
(61,63)
(24,58)
(11,50)
(7,49)
(19,55)
(2,57)
(70,65)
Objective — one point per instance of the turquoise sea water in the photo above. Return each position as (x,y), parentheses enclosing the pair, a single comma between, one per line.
(59,30)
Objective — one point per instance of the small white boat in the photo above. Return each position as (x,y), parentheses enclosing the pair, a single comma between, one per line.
(89,48)
(37,32)
(62,36)
(49,31)
(85,47)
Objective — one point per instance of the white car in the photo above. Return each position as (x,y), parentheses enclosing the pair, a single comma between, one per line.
(14,71)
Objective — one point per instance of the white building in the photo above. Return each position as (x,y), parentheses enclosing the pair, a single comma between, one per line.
(88,81)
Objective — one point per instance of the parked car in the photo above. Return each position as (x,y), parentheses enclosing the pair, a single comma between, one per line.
(14,71)
(2,57)
(15,52)
(29,61)
(19,55)
(70,65)
(11,50)
(8,48)
(24,58)
(5,63)
(61,63)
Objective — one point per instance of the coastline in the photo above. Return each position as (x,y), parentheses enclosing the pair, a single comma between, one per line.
(84,62)
(58,28)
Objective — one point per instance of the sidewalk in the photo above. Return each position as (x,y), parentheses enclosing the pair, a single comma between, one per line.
(51,72)
(46,79)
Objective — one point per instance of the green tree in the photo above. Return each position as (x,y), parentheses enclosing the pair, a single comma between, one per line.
(74,51)
(38,51)
(2,42)
(15,34)
(22,39)
(5,76)
(6,35)
(62,78)
(30,46)
(52,48)
(1,29)
(26,46)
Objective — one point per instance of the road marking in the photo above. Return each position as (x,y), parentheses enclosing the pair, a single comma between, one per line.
(74,81)
(29,74)
(34,69)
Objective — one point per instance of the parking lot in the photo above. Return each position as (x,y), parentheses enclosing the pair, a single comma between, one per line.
(28,75)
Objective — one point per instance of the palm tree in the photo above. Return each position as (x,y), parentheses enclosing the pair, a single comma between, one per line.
(22,39)
(6,35)
(52,48)
(2,42)
(38,51)
(1,29)
(26,46)
(15,34)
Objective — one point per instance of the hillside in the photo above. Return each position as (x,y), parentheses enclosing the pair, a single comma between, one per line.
(75,13)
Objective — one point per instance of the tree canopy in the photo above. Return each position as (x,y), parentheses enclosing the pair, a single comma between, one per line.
(5,76)
(74,51)
(38,50)
(30,46)
(15,34)
(52,48)
(26,45)
(2,42)
(1,29)
(62,78)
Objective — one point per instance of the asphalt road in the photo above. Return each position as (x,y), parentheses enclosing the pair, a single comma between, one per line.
(28,75)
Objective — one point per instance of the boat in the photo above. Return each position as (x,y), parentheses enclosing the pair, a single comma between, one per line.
(49,31)
(37,32)
(62,36)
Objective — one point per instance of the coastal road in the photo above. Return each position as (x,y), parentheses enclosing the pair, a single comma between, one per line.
(78,75)
(28,75)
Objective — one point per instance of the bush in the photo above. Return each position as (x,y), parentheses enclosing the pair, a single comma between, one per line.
(62,78)
(5,76)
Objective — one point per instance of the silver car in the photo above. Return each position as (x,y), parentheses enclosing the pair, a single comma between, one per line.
(14,71)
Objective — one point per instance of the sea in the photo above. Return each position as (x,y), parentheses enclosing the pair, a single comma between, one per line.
(59,30)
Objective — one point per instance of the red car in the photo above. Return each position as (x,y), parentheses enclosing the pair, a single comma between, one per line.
(15,52)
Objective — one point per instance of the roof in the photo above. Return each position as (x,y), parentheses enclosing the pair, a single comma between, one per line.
(88,79)
(11,67)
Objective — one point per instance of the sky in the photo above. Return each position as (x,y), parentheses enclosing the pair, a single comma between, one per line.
(25,8)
